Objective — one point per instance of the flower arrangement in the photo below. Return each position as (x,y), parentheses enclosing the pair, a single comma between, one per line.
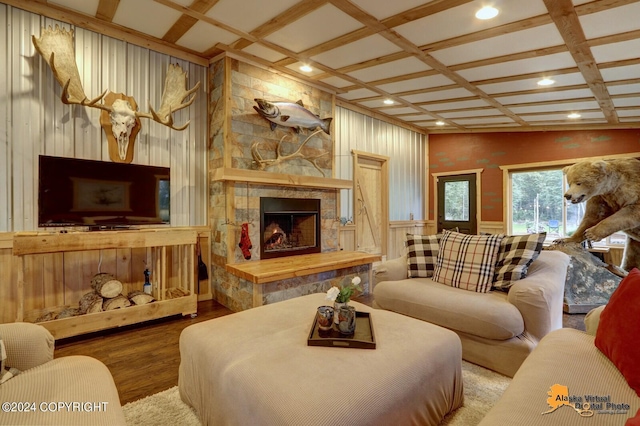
(343,295)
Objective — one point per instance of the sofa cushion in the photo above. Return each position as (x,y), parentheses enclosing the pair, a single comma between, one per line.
(422,253)
(467,261)
(487,315)
(516,253)
(6,372)
(618,329)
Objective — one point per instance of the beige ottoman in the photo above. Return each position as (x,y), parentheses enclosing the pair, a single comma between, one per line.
(255,368)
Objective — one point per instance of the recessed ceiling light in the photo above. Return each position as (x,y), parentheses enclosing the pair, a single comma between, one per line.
(574,115)
(487,12)
(440,123)
(306,68)
(546,82)
(388,102)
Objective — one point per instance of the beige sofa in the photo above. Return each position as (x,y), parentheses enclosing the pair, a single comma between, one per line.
(498,330)
(73,390)
(569,358)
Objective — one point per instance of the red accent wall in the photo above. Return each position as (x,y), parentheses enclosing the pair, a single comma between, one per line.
(451,152)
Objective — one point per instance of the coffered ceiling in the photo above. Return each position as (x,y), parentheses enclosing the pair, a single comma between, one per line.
(434,59)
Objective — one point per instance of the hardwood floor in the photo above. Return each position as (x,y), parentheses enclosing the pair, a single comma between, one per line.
(144,358)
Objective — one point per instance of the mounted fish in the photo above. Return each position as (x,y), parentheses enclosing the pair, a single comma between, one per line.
(290,114)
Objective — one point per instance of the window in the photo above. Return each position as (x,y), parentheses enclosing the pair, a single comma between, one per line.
(538,205)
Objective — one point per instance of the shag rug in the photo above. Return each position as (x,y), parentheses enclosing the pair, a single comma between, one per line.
(482,388)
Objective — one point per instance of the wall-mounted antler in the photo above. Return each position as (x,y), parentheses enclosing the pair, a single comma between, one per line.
(119,118)
(262,163)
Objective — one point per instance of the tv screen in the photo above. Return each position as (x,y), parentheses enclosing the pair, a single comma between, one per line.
(75,192)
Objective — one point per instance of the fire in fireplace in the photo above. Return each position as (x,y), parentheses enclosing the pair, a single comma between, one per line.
(289,226)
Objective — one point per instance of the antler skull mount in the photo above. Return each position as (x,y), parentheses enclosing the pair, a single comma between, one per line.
(120,118)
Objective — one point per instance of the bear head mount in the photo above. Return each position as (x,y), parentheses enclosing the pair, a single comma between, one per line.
(584,180)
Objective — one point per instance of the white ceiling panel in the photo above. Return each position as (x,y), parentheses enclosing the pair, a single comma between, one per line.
(246,15)
(546,96)
(532,83)
(313,29)
(628,113)
(621,73)
(456,105)
(358,94)
(633,119)
(439,95)
(616,51)
(522,66)
(562,116)
(570,106)
(202,36)
(358,51)
(295,67)
(382,9)
(420,117)
(506,44)
(461,20)
(471,113)
(378,103)
(398,111)
(627,102)
(623,88)
(336,82)
(88,7)
(390,69)
(496,120)
(416,83)
(611,21)
(263,52)
(129,15)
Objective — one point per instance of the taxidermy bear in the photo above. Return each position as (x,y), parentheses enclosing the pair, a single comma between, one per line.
(611,190)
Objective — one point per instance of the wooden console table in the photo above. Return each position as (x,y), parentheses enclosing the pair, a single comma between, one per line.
(263,272)
(170,253)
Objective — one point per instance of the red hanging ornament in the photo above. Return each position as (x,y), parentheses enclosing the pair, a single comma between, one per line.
(245,241)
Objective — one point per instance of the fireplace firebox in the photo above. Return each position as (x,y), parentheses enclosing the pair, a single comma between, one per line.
(289,227)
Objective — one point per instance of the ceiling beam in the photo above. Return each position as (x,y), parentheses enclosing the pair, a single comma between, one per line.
(107,9)
(566,19)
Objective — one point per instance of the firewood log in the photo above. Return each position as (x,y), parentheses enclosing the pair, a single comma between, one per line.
(115,302)
(175,292)
(68,312)
(91,302)
(140,298)
(106,285)
(46,317)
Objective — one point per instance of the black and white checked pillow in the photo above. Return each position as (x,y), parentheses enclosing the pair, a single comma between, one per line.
(467,261)
(516,253)
(422,252)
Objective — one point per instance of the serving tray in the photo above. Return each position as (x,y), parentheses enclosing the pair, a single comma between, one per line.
(362,338)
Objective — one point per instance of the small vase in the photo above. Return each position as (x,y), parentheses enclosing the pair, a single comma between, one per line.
(347,320)
(325,318)
(336,309)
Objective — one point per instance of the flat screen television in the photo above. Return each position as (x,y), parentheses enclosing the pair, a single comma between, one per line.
(76,192)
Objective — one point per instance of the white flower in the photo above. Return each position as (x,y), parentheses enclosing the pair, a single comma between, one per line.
(355,280)
(333,293)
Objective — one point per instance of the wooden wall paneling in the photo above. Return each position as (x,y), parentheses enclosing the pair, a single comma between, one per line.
(8,289)
(347,237)
(121,267)
(33,283)
(53,275)
(73,277)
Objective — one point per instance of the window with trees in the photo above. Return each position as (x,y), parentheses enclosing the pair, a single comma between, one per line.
(538,205)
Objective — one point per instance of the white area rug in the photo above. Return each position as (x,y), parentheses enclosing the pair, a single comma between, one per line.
(482,388)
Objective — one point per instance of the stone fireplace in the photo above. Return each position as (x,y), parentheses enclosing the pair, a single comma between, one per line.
(289,227)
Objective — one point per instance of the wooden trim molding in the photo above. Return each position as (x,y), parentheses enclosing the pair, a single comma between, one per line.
(281,179)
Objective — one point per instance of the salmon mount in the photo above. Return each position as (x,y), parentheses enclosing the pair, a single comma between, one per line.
(297,117)
(120,118)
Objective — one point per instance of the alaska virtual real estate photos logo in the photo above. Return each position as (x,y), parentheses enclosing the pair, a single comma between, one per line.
(585,405)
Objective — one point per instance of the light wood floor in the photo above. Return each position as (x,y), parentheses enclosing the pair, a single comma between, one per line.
(144,358)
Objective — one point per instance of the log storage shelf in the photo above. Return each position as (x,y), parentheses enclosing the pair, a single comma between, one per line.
(168,252)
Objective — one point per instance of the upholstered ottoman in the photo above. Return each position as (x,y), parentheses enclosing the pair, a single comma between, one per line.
(255,368)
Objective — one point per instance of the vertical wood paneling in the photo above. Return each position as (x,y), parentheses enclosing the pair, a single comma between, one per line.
(34,121)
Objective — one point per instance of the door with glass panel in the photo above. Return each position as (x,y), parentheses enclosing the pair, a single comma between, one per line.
(457,203)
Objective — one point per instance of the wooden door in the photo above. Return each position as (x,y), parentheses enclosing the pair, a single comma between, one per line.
(371,202)
(457,206)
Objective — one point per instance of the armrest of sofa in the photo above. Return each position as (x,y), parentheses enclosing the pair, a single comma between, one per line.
(539,296)
(592,319)
(391,270)
(28,345)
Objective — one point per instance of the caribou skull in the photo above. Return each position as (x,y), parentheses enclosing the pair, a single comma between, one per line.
(120,117)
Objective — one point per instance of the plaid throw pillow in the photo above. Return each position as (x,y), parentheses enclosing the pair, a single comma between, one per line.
(516,253)
(467,261)
(422,252)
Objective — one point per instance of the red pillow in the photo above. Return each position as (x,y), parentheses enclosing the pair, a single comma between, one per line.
(634,421)
(619,328)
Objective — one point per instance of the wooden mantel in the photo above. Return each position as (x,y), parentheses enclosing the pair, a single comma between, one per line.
(281,179)
(269,270)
